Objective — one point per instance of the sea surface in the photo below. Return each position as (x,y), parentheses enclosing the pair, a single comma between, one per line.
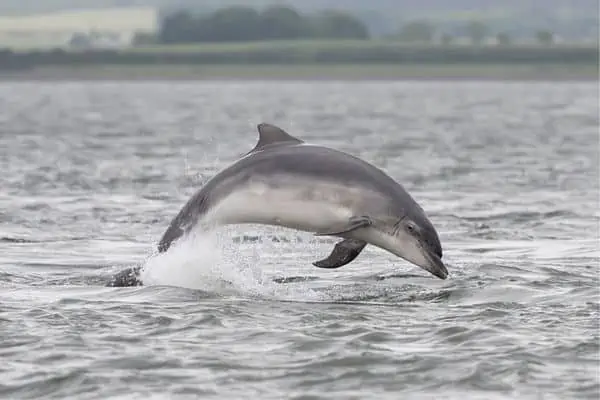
(93,172)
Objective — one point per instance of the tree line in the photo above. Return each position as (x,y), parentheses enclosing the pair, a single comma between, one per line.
(476,32)
(242,23)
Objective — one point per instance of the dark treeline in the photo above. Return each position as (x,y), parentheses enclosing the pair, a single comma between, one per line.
(308,53)
(241,23)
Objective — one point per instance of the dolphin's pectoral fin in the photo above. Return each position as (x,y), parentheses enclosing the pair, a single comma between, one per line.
(343,253)
(352,224)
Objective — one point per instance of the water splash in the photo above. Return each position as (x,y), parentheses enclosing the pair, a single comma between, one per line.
(213,262)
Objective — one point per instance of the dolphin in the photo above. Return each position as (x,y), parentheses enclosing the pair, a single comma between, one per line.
(284,181)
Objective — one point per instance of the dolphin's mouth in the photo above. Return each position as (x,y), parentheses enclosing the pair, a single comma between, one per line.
(434,265)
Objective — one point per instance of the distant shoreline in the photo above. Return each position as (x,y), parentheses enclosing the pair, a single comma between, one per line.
(306,60)
(311,72)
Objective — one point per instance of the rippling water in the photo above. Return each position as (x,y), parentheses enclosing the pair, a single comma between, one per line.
(92,173)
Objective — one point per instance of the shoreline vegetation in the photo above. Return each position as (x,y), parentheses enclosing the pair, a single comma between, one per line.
(317,59)
(307,72)
(281,42)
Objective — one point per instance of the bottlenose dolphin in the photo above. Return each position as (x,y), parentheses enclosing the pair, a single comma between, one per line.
(287,182)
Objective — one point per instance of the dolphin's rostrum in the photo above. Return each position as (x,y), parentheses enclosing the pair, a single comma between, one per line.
(286,182)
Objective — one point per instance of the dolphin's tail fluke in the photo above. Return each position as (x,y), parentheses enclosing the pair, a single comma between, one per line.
(126,278)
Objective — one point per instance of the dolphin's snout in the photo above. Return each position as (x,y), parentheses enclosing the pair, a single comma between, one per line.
(436,265)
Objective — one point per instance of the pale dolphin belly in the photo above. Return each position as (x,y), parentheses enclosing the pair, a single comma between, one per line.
(307,207)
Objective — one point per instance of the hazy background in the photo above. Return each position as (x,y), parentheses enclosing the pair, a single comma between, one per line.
(54,22)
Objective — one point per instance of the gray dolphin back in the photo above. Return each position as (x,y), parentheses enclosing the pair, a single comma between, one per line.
(269,136)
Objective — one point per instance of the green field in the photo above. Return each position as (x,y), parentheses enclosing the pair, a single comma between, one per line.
(366,52)
(273,45)
(343,59)
(309,72)
(345,45)
(320,52)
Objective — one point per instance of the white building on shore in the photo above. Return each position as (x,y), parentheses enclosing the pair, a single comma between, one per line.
(105,28)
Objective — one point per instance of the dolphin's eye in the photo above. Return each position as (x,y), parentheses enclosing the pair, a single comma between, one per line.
(411,227)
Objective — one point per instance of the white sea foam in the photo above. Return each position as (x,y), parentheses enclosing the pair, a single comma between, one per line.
(211,261)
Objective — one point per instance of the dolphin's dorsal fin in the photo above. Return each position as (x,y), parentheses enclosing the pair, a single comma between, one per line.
(270,134)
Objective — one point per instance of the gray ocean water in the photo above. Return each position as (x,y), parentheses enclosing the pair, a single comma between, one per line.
(92,174)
